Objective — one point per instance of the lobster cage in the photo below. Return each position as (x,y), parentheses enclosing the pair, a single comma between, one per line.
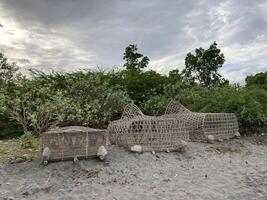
(70,142)
(151,133)
(201,125)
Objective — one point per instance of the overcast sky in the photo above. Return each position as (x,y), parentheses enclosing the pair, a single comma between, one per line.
(70,35)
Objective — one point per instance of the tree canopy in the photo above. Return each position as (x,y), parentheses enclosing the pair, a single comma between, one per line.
(7,70)
(93,98)
(259,79)
(203,66)
(133,59)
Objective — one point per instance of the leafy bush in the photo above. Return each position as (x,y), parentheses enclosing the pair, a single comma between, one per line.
(94,98)
(259,79)
(156,105)
(87,97)
(32,105)
(27,140)
(81,98)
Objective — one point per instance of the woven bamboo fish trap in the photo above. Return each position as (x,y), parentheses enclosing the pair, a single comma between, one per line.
(201,125)
(151,133)
(70,142)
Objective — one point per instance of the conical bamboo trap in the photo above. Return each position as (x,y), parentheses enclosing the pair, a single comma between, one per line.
(151,133)
(201,125)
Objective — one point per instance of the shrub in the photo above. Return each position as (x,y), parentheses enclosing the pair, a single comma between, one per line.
(94,98)
(27,140)
(81,98)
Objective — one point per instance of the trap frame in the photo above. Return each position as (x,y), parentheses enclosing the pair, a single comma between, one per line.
(70,142)
(152,133)
(201,125)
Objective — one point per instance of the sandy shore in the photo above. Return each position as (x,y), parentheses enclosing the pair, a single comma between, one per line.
(234,169)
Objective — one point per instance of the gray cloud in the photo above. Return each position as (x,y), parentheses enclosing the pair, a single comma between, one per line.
(67,35)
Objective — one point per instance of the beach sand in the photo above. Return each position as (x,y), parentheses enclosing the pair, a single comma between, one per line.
(233,169)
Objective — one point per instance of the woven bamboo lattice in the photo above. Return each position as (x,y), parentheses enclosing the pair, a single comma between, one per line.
(152,133)
(70,142)
(201,125)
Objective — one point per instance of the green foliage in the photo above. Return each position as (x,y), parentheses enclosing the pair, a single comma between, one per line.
(259,80)
(142,85)
(32,105)
(7,71)
(204,65)
(156,105)
(174,76)
(248,104)
(94,98)
(87,97)
(3,150)
(9,130)
(81,98)
(27,140)
(133,59)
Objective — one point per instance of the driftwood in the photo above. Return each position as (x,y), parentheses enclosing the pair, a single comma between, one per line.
(203,125)
(147,133)
(72,142)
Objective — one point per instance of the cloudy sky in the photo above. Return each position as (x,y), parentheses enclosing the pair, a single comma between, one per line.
(71,35)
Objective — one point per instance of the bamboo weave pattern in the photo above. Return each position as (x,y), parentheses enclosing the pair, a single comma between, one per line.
(200,125)
(152,133)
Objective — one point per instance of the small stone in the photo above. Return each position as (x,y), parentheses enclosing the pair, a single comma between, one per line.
(26,193)
(75,159)
(262,134)
(183,145)
(168,151)
(46,188)
(210,138)
(167,180)
(237,135)
(46,153)
(106,162)
(153,152)
(136,148)
(102,152)
(61,190)
(17,160)
(32,189)
(220,140)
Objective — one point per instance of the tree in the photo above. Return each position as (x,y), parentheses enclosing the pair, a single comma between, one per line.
(204,65)
(174,76)
(259,79)
(133,59)
(7,71)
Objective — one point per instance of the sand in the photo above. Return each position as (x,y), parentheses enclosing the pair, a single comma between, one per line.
(234,169)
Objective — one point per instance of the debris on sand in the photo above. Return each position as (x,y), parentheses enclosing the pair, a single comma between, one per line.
(136,148)
(79,172)
(31,189)
(19,159)
(225,168)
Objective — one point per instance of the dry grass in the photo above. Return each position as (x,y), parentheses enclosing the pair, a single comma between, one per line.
(10,149)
